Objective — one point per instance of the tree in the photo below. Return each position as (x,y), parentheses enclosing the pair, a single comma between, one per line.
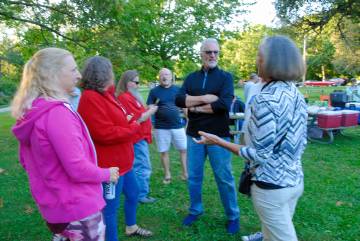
(337,21)
(320,57)
(315,14)
(238,55)
(146,35)
(346,59)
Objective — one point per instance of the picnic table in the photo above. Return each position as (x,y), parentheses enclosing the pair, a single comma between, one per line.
(330,133)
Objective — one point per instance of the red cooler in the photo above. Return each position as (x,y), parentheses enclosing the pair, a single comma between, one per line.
(349,117)
(329,119)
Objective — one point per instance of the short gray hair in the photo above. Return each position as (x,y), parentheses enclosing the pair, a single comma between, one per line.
(207,41)
(282,59)
(97,73)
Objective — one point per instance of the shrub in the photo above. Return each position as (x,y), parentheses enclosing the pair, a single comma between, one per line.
(8,88)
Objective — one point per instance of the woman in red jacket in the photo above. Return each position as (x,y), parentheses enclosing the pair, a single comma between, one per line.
(111,129)
(128,94)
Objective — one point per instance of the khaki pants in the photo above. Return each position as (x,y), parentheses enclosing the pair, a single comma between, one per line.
(276,209)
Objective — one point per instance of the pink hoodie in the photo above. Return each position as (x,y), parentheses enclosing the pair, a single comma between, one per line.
(58,155)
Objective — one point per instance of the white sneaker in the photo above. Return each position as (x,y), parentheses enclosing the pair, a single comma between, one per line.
(253,237)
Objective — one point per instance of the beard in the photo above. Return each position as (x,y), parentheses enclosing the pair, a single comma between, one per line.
(212,64)
(136,94)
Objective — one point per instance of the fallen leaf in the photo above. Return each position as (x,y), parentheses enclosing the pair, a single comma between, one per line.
(28,209)
(339,203)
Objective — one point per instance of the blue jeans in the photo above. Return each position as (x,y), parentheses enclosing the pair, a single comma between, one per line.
(142,167)
(220,161)
(127,184)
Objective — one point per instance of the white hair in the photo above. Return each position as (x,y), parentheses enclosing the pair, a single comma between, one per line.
(165,69)
(208,41)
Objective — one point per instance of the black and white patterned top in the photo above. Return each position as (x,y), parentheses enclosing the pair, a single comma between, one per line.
(277,130)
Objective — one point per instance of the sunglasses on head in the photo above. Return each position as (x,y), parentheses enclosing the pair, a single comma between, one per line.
(211,52)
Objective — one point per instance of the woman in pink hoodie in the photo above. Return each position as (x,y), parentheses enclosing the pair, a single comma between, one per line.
(56,150)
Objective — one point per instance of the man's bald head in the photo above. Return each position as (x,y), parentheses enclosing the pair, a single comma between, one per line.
(165,77)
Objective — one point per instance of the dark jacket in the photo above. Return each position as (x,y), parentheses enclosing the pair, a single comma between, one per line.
(216,82)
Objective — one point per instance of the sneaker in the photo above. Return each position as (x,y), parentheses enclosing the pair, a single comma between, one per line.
(190,219)
(233,226)
(147,200)
(253,237)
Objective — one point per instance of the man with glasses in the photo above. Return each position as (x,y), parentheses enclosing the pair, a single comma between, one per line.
(207,93)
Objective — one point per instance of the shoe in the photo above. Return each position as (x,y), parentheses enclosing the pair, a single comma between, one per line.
(253,237)
(147,200)
(167,180)
(141,232)
(233,226)
(190,219)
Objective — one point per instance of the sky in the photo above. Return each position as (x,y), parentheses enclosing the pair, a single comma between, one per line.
(263,12)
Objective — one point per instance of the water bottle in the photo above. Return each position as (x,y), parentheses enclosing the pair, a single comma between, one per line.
(109,190)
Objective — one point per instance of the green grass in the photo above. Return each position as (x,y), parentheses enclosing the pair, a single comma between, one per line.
(328,210)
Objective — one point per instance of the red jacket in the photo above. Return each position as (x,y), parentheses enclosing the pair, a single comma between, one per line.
(134,107)
(109,128)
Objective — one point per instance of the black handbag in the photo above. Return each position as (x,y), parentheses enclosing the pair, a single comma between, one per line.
(245,180)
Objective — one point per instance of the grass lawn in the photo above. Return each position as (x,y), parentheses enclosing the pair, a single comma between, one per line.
(328,210)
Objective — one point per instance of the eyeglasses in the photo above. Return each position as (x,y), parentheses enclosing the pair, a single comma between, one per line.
(209,52)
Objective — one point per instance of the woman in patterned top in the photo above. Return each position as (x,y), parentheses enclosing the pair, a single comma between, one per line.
(277,131)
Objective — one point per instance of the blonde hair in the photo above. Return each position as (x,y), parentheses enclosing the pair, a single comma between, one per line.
(40,78)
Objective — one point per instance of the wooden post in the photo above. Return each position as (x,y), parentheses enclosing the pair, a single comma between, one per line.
(304,58)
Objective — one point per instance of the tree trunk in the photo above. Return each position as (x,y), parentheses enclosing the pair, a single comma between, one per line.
(323,72)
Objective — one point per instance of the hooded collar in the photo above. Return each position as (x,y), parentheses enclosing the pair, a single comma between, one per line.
(24,126)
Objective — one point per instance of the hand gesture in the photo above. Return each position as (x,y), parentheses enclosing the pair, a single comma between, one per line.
(114,174)
(207,138)
(153,108)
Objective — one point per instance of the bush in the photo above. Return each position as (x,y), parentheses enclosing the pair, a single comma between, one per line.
(8,88)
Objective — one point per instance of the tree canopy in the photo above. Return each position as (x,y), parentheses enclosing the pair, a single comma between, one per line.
(146,35)
(318,13)
(149,35)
